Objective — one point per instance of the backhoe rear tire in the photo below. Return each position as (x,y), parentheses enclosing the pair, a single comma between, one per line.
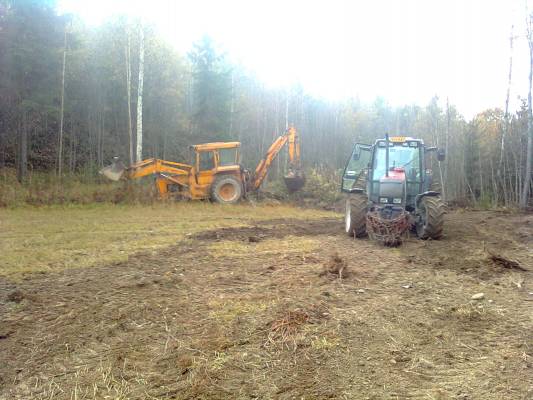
(226,189)
(355,216)
(430,218)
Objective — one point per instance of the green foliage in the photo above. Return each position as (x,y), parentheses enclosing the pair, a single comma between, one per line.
(202,98)
(212,91)
(46,189)
(323,186)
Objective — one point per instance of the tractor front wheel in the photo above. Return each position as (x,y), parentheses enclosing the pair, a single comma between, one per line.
(355,216)
(226,189)
(430,218)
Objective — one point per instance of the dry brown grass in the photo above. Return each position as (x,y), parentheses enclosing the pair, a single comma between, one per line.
(219,316)
(54,238)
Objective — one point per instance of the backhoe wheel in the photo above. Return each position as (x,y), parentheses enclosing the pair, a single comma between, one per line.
(430,218)
(355,217)
(226,189)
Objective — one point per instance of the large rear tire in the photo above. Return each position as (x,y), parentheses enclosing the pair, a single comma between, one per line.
(430,218)
(226,189)
(355,216)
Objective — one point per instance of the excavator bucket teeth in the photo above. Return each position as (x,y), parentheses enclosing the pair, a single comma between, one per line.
(294,181)
(113,171)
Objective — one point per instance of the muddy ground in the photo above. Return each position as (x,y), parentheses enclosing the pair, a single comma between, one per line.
(224,315)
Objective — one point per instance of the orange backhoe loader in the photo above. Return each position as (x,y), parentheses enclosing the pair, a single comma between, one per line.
(215,171)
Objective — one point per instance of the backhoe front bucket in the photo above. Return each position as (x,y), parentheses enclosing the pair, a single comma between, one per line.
(114,171)
(294,181)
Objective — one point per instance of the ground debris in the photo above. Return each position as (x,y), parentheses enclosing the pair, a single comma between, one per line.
(336,266)
(285,327)
(16,296)
(504,262)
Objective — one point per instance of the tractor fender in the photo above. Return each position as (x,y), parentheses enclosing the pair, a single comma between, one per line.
(429,193)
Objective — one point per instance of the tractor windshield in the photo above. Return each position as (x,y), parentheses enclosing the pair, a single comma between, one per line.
(400,155)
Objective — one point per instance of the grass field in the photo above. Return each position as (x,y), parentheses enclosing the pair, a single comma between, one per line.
(197,301)
(54,238)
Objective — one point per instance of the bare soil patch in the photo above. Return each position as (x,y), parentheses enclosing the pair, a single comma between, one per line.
(189,322)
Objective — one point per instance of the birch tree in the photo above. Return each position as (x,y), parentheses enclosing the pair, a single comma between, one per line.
(140,96)
(527,177)
(128,90)
(62,109)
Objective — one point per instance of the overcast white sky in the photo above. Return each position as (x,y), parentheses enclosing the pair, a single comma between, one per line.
(403,50)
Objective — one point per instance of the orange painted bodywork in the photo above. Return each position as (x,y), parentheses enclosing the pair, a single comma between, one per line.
(192,182)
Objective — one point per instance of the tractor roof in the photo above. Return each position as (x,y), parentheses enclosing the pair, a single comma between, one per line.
(215,146)
(401,139)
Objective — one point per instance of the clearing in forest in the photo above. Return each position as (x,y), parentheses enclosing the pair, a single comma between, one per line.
(200,301)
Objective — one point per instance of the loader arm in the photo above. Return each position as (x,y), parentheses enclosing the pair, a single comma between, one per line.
(291,137)
(153,166)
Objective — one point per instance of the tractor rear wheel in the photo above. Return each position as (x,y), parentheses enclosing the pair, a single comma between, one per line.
(355,217)
(430,218)
(226,189)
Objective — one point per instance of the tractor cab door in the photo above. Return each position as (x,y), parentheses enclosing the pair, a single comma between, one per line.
(356,169)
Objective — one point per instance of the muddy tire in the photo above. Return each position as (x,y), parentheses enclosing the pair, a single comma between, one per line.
(355,216)
(430,218)
(226,189)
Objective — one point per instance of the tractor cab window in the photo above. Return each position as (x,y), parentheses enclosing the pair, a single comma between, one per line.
(207,160)
(356,167)
(227,157)
(401,155)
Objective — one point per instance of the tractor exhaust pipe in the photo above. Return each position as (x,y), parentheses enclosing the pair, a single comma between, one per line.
(387,155)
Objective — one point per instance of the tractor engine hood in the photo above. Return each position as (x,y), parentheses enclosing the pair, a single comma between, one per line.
(393,185)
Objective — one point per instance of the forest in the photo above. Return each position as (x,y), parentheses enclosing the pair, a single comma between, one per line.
(71,99)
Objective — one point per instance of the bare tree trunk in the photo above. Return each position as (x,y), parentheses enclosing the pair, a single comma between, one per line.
(481,191)
(505,129)
(446,140)
(527,178)
(22,169)
(506,115)
(232,105)
(62,111)
(286,110)
(140,96)
(128,90)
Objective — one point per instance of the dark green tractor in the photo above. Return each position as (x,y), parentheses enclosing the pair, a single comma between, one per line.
(390,190)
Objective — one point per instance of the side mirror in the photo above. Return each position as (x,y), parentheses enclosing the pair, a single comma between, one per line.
(441,155)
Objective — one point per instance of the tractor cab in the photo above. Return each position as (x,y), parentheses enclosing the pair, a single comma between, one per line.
(387,180)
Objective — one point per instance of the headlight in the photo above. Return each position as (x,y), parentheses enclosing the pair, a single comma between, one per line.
(383,200)
(397,201)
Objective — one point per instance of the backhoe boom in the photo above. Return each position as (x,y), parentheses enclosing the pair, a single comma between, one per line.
(295,175)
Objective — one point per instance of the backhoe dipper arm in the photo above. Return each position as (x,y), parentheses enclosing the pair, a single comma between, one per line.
(261,171)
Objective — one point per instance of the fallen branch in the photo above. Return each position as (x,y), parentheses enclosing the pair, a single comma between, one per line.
(504,262)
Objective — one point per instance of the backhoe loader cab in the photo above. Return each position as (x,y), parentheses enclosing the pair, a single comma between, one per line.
(389,189)
(214,171)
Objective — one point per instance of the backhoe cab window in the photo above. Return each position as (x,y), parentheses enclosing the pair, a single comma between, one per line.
(400,155)
(207,161)
(227,157)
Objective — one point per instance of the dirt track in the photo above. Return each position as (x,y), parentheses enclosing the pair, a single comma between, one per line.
(189,322)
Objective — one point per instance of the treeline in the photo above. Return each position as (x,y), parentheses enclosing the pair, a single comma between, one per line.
(69,95)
